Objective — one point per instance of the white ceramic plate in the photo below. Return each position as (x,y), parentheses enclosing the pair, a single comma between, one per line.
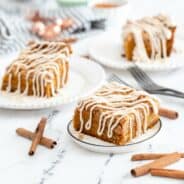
(97,145)
(107,49)
(85,77)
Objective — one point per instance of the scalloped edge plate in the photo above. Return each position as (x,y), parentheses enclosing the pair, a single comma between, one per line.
(82,82)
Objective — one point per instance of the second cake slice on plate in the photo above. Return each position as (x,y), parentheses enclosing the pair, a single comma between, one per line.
(40,70)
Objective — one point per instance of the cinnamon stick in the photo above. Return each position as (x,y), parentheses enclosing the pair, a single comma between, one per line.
(47,142)
(38,135)
(170,173)
(168,113)
(150,156)
(159,163)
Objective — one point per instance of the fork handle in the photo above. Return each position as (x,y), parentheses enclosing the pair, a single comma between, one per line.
(170,91)
(167,93)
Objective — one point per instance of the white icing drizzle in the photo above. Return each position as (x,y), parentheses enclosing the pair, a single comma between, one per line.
(116,103)
(41,64)
(45,47)
(157,29)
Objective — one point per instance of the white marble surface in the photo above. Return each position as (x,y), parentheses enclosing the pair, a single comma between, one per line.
(68,163)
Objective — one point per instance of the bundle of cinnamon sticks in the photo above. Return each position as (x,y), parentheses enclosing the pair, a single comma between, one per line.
(156,167)
(37,137)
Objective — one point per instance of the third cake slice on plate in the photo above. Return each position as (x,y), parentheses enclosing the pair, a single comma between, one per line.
(150,38)
(116,114)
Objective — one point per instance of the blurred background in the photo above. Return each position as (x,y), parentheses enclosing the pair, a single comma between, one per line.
(72,20)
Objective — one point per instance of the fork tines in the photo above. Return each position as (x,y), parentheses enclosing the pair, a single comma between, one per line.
(143,79)
(150,86)
(115,78)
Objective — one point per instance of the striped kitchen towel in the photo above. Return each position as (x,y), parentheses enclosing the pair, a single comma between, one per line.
(15,28)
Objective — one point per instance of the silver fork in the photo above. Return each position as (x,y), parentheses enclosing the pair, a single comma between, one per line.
(114,77)
(150,86)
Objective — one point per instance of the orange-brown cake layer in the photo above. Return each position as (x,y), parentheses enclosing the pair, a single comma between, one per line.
(116,114)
